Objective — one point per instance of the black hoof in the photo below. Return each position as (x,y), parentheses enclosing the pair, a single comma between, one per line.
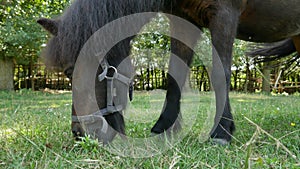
(223,133)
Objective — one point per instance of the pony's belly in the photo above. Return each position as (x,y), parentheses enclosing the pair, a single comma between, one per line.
(269,20)
(266,33)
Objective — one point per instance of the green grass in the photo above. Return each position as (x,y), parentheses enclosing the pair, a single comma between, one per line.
(35,133)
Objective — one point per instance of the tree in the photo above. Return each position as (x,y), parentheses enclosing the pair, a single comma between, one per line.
(151,50)
(21,38)
(242,64)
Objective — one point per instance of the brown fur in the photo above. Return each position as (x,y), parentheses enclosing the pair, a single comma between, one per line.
(200,11)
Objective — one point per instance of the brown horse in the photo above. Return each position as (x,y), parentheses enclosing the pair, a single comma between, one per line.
(252,20)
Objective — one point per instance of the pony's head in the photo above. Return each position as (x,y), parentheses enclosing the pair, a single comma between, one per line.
(71,32)
(108,121)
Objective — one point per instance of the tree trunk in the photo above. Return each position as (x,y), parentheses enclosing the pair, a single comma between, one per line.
(6,74)
(31,70)
(148,79)
(235,78)
(266,79)
(163,75)
(247,79)
(142,80)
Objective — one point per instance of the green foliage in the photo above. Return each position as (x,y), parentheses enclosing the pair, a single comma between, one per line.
(151,48)
(87,144)
(21,37)
(203,51)
(239,58)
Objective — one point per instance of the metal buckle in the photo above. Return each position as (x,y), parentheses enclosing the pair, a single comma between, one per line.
(114,73)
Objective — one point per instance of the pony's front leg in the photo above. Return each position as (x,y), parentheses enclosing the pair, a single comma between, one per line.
(180,61)
(223,30)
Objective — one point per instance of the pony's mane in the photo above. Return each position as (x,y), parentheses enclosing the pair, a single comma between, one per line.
(85,17)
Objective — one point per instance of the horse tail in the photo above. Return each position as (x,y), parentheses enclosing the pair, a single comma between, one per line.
(273,51)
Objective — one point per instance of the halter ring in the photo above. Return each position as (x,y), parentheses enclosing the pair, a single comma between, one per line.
(115,73)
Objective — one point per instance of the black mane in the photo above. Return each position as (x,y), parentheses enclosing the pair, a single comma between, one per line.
(85,17)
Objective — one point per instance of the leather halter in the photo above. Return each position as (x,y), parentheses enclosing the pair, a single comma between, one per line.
(110,73)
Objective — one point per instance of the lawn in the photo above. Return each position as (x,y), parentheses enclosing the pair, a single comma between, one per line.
(35,133)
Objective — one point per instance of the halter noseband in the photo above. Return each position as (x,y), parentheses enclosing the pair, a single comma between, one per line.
(110,73)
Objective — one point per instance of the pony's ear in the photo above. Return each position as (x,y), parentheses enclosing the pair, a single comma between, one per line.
(49,24)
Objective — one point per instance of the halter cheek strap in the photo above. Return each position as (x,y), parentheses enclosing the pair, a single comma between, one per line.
(110,73)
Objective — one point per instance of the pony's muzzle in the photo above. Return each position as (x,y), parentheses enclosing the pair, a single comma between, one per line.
(77,130)
(94,126)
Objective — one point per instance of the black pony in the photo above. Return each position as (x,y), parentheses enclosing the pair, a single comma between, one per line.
(253,20)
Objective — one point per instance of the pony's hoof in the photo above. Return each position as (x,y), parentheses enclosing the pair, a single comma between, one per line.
(220,141)
(153,134)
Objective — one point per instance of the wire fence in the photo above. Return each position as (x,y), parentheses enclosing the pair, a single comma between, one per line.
(37,77)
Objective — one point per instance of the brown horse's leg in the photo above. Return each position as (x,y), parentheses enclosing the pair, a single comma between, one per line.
(296,40)
(223,30)
(182,41)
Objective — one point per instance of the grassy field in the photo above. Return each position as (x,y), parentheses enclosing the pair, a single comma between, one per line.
(35,133)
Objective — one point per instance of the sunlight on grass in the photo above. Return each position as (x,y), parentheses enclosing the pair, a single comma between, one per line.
(7,133)
(242,100)
(35,133)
